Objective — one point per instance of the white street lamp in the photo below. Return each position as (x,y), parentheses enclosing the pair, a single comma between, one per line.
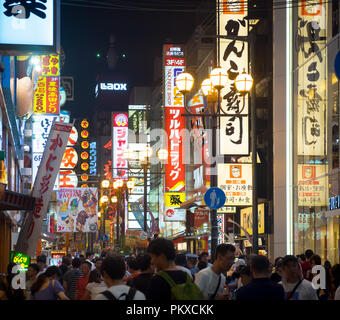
(162,154)
(219,78)
(244,82)
(184,82)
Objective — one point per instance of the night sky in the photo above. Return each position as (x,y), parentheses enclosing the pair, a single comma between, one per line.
(139,34)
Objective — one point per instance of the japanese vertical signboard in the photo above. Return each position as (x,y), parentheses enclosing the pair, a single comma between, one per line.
(234,130)
(77,210)
(46,95)
(236,181)
(220,226)
(312,78)
(84,152)
(246,217)
(312,185)
(174,64)
(43,186)
(173,201)
(50,65)
(120,144)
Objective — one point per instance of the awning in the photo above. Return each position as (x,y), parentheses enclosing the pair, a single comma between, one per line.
(10,200)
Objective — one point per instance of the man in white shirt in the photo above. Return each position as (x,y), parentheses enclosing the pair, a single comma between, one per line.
(113,271)
(296,288)
(180,262)
(211,280)
(41,262)
(89,257)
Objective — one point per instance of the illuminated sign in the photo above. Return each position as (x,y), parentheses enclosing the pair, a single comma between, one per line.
(84,134)
(84,155)
(173,201)
(21,259)
(334,203)
(84,124)
(50,65)
(84,177)
(70,158)
(93,158)
(236,181)
(220,227)
(84,166)
(85,144)
(113,86)
(46,95)
(68,179)
(234,130)
(246,217)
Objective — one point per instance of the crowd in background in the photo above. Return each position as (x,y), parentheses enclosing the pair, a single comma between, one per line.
(163,274)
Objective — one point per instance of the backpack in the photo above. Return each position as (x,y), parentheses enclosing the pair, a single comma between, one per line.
(184,291)
(129,296)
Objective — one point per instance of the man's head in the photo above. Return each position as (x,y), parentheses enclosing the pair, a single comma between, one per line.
(33,270)
(245,275)
(301,258)
(192,260)
(53,272)
(86,268)
(308,253)
(162,253)
(291,269)
(98,263)
(204,256)
(89,255)
(201,265)
(132,265)
(260,266)
(225,256)
(181,260)
(315,260)
(144,263)
(76,263)
(66,261)
(112,269)
(41,262)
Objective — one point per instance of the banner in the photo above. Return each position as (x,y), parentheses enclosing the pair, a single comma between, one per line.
(46,95)
(247,219)
(77,210)
(201,216)
(43,186)
(133,239)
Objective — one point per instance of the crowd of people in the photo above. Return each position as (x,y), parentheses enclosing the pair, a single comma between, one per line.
(163,274)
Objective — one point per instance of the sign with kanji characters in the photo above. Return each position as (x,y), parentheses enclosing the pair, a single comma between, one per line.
(70,158)
(50,65)
(120,144)
(220,227)
(234,130)
(246,217)
(68,179)
(43,186)
(174,199)
(46,95)
(29,26)
(236,181)
(312,82)
(77,210)
(304,221)
(201,216)
(174,214)
(312,185)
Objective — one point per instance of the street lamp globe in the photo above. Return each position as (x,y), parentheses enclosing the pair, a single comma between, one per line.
(104,199)
(244,82)
(207,87)
(162,154)
(120,183)
(114,199)
(127,153)
(130,184)
(219,78)
(105,184)
(184,82)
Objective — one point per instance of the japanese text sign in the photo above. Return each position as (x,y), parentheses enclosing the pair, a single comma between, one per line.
(46,95)
(50,65)
(246,217)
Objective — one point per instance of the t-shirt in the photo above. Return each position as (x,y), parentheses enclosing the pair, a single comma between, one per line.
(186,270)
(160,289)
(50,293)
(119,291)
(71,278)
(304,291)
(307,270)
(207,280)
(81,286)
(141,282)
(95,288)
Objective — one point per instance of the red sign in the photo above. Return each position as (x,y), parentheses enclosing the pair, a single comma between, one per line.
(201,216)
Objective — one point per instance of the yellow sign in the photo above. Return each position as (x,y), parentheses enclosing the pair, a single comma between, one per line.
(247,219)
(50,65)
(174,199)
(85,124)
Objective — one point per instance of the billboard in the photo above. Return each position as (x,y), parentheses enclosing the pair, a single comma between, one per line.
(233,56)
(77,210)
(236,181)
(46,95)
(246,217)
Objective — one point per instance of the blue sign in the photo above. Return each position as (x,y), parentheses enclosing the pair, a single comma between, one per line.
(337,65)
(215,198)
(104,237)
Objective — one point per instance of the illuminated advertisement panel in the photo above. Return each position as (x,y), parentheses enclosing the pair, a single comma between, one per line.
(46,95)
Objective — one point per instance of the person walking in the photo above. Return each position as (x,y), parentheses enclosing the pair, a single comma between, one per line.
(33,270)
(143,280)
(306,266)
(211,280)
(113,271)
(7,292)
(192,260)
(47,286)
(95,286)
(322,293)
(261,288)
(276,275)
(295,286)
(181,262)
(132,267)
(83,280)
(71,277)
(204,256)
(41,261)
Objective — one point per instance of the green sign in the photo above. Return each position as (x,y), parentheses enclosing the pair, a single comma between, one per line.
(21,259)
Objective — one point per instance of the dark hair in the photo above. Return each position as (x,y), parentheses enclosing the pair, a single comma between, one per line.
(202,255)
(180,259)
(162,246)
(327,265)
(202,265)
(143,261)
(76,263)
(88,254)
(66,260)
(308,253)
(224,248)
(235,275)
(244,270)
(302,257)
(53,270)
(335,271)
(38,283)
(277,260)
(95,276)
(289,258)
(35,267)
(316,258)
(132,263)
(41,258)
(114,267)
(88,263)
(260,264)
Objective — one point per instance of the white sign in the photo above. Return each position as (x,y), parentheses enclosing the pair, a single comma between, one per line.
(43,186)
(174,214)
(27,22)
(234,130)
(113,86)
(236,181)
